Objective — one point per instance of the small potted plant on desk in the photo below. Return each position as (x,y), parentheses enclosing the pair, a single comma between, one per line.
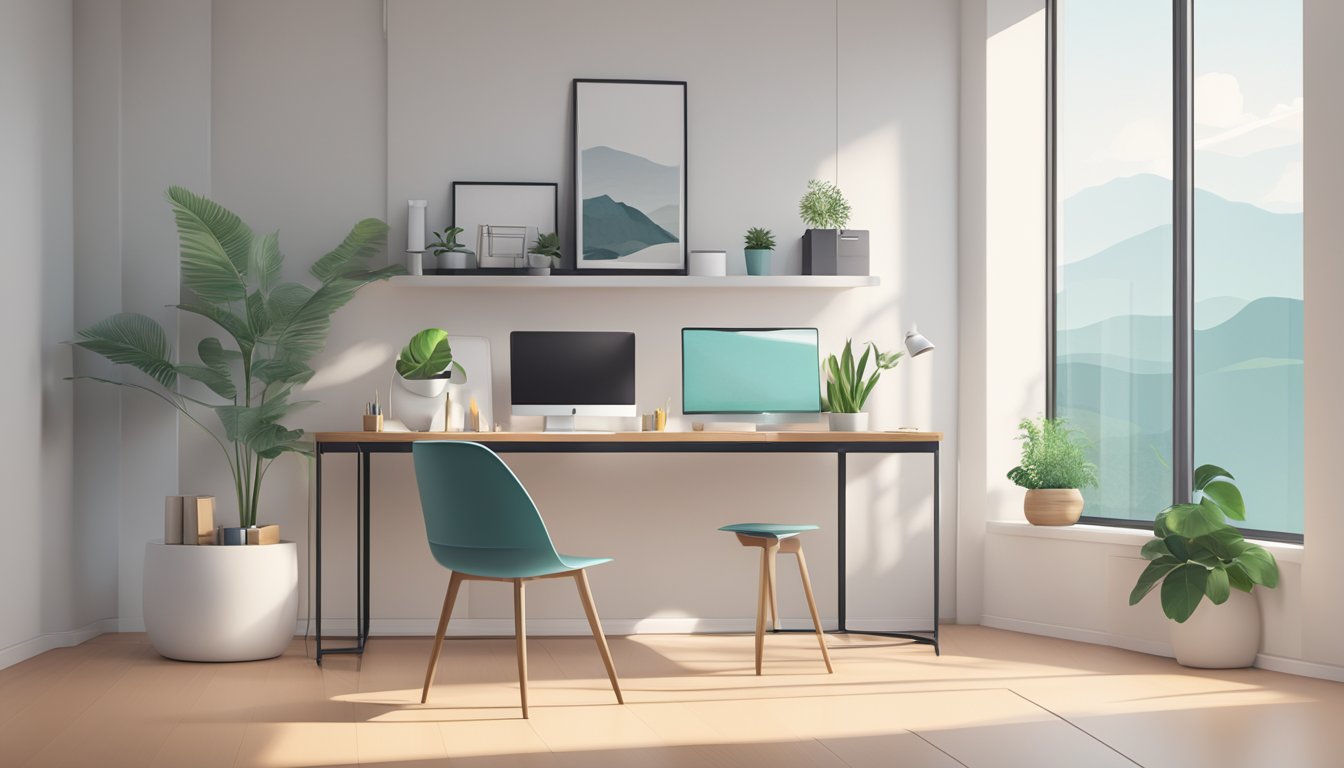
(449,253)
(1053,469)
(847,390)
(544,255)
(760,244)
(1196,553)
(227,603)
(425,368)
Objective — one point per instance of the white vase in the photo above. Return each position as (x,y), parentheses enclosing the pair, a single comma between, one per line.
(216,603)
(1223,636)
(848,422)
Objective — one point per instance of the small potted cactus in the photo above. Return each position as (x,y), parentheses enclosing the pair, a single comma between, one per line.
(544,255)
(760,243)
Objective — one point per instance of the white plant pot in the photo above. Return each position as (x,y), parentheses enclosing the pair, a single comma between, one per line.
(423,387)
(848,422)
(1223,636)
(454,260)
(216,603)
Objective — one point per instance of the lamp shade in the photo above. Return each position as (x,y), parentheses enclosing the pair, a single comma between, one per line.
(916,344)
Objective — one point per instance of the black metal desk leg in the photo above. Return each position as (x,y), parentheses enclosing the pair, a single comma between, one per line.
(317,555)
(937,549)
(366,460)
(840,537)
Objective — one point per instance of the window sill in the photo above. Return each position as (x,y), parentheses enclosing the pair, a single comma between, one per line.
(1104,534)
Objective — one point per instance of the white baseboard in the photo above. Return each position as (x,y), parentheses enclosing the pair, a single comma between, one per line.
(43,643)
(1300,667)
(662,625)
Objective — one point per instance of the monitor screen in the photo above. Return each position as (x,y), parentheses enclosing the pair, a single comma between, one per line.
(572,368)
(750,370)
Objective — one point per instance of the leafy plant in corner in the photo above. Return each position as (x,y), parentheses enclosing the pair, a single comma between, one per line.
(846,388)
(760,239)
(1052,457)
(548,246)
(274,329)
(446,242)
(1196,553)
(428,356)
(823,206)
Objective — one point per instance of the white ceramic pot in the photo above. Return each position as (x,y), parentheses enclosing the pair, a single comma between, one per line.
(848,422)
(423,387)
(1053,506)
(707,263)
(1223,636)
(216,603)
(454,260)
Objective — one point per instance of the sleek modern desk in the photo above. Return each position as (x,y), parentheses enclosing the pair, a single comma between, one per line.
(365,444)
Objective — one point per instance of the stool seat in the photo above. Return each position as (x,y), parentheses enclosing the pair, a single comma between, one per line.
(768,530)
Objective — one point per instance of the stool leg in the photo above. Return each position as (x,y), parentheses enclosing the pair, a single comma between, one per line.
(812,606)
(454,584)
(767,556)
(773,593)
(520,630)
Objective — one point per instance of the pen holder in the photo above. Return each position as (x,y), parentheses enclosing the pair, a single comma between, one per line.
(373,423)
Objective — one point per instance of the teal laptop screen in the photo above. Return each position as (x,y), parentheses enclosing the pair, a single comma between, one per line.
(749,370)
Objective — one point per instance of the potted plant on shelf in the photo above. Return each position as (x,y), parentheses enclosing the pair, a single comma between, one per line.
(1196,553)
(424,369)
(846,388)
(545,254)
(235,603)
(760,243)
(829,248)
(1053,469)
(449,253)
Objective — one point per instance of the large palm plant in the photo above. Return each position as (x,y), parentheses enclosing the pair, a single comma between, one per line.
(273,330)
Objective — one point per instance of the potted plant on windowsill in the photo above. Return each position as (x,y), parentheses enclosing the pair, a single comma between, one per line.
(1053,469)
(847,390)
(449,253)
(829,248)
(424,369)
(760,244)
(205,603)
(544,255)
(1196,553)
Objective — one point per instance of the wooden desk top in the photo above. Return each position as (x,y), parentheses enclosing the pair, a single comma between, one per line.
(632,437)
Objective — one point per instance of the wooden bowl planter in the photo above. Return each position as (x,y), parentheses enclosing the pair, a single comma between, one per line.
(1053,506)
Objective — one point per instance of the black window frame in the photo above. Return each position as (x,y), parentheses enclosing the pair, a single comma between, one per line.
(1183,404)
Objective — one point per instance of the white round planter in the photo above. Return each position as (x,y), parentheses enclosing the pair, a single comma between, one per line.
(848,422)
(454,260)
(1223,636)
(217,603)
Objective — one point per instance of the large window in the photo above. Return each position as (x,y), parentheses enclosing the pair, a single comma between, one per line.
(1163,373)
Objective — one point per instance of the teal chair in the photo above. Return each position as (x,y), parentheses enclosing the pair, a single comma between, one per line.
(482,526)
(774,538)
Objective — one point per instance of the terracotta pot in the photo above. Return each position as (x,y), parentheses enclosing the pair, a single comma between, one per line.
(1053,506)
(1223,636)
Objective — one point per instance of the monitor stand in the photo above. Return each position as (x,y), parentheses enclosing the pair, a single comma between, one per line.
(560,424)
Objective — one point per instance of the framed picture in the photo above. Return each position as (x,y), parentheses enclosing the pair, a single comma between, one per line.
(630,176)
(500,220)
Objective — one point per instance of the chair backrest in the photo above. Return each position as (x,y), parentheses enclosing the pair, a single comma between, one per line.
(471,498)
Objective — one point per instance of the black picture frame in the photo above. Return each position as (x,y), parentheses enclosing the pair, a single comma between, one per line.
(594,266)
(470,238)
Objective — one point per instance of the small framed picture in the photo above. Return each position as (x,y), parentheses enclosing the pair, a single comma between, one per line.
(630,176)
(501,220)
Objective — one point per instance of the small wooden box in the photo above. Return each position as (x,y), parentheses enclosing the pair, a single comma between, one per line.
(373,423)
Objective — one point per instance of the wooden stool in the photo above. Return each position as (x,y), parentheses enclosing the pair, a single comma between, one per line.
(774,538)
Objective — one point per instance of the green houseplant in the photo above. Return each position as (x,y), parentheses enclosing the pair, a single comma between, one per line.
(829,248)
(760,243)
(428,355)
(1195,553)
(235,603)
(1053,468)
(847,389)
(450,253)
(547,249)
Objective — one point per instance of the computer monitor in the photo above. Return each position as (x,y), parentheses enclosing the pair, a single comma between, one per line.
(564,374)
(761,375)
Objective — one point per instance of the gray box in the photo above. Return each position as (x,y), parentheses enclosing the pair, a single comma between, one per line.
(835,252)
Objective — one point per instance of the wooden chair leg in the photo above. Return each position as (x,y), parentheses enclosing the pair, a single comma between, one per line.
(581,579)
(454,584)
(520,632)
(773,591)
(812,606)
(767,556)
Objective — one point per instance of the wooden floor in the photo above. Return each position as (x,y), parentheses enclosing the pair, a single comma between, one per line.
(994,699)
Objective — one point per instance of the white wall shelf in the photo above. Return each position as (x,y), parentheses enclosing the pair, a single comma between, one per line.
(823,282)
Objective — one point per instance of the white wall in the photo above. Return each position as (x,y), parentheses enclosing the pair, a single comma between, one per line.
(316,121)
(52,595)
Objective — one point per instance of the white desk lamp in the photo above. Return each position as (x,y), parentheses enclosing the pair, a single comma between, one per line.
(915,343)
